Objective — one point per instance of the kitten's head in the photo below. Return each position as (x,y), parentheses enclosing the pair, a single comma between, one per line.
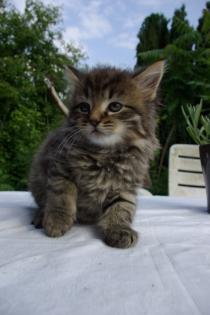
(111,106)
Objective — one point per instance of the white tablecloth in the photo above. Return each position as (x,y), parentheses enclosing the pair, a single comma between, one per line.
(167,273)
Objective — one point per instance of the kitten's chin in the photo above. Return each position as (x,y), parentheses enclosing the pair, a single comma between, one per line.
(104,140)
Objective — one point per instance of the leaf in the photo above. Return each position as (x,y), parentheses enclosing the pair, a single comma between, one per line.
(197,113)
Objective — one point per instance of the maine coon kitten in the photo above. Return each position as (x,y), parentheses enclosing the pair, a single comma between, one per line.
(89,169)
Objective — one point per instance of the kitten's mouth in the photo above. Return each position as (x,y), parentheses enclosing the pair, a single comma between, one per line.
(101,138)
(96,132)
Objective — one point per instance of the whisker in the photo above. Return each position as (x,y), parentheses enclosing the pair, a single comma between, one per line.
(74,141)
(63,142)
(66,139)
(70,138)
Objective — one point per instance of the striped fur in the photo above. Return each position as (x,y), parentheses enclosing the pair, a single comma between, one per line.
(90,173)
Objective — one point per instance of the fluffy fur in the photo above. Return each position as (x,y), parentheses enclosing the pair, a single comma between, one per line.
(89,169)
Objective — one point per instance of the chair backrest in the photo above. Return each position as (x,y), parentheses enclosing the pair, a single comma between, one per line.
(185,173)
(144,192)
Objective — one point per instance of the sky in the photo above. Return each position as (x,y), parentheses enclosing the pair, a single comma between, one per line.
(106,30)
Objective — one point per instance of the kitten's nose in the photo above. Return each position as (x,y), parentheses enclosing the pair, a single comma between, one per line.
(94,122)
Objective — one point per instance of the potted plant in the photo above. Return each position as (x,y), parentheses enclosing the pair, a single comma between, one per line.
(198,127)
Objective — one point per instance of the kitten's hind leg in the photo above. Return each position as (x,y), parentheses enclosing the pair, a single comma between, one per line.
(60,209)
(116,222)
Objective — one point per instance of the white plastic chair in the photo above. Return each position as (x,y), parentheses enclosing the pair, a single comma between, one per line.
(185,173)
(144,192)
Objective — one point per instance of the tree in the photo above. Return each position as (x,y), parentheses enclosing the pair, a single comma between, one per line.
(204,26)
(179,19)
(185,81)
(153,34)
(27,55)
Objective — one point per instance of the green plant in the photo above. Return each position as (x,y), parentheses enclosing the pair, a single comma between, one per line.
(186,80)
(28,55)
(198,125)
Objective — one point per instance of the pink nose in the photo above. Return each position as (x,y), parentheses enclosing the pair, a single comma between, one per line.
(94,122)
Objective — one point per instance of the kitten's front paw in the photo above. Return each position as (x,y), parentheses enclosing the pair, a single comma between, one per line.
(56,224)
(120,236)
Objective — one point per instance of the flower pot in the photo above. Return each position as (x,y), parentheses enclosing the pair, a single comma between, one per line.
(205,163)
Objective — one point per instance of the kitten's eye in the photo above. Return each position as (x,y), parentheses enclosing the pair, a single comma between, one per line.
(84,107)
(115,107)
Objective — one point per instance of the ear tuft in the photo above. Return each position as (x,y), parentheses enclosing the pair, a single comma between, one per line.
(149,80)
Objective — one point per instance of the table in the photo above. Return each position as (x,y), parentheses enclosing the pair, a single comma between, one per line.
(167,273)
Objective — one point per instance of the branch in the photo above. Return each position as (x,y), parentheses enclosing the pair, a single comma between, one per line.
(56,98)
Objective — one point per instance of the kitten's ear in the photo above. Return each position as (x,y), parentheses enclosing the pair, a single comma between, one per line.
(149,80)
(72,75)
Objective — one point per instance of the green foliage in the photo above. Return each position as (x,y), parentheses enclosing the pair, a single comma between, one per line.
(204,26)
(198,125)
(179,23)
(186,79)
(27,55)
(152,34)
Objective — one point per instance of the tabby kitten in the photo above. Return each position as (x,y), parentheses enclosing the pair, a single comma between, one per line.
(89,169)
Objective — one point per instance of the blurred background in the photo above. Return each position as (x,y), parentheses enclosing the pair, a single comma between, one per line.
(37,38)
